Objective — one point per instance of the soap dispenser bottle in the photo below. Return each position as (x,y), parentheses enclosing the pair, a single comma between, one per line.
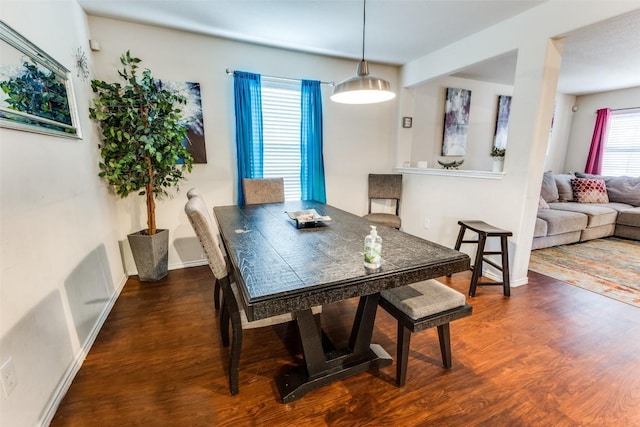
(373,250)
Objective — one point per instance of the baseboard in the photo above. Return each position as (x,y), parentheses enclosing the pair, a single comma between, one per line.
(188,264)
(74,367)
(513,283)
(177,266)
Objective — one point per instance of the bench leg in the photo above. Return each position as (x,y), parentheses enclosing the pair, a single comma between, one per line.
(459,240)
(402,354)
(216,295)
(445,344)
(224,324)
(477,267)
(505,266)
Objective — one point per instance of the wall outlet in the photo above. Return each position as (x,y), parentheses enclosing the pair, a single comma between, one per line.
(8,377)
(427,223)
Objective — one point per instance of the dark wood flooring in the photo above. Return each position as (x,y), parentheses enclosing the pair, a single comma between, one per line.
(550,355)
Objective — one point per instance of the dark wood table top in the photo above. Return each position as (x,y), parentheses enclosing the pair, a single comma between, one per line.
(283,269)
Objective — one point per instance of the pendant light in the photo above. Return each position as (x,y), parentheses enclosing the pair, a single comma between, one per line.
(363,88)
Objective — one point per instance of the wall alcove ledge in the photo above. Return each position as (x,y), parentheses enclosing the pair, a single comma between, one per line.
(452,172)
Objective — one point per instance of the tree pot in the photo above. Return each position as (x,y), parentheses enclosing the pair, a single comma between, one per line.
(151,254)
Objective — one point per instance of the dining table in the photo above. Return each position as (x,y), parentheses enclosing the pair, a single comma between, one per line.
(286,266)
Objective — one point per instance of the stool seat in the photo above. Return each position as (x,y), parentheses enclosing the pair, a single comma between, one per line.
(484,231)
(483,227)
(421,306)
(423,298)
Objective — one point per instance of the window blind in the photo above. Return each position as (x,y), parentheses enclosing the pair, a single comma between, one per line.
(622,150)
(281,133)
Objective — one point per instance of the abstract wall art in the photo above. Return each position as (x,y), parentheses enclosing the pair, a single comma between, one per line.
(456,122)
(192,113)
(502,122)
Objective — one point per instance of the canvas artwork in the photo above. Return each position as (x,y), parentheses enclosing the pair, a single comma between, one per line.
(502,122)
(193,117)
(456,122)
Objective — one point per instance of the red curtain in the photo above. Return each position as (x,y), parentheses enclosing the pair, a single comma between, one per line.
(594,161)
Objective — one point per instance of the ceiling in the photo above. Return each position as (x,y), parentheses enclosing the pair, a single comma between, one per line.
(605,56)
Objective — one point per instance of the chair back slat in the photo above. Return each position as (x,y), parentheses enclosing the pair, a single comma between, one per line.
(264,190)
(385,186)
(202,224)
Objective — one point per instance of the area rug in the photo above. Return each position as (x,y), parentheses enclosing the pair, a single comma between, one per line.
(610,267)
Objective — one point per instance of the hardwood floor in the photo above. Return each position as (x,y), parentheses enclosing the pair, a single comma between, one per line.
(550,355)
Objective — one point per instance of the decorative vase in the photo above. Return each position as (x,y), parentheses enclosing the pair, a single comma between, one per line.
(150,253)
(498,164)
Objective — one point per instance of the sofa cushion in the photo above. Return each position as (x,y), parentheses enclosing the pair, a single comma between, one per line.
(549,189)
(621,189)
(560,221)
(597,215)
(563,182)
(630,217)
(597,232)
(626,231)
(589,190)
(619,207)
(555,240)
(542,204)
(540,229)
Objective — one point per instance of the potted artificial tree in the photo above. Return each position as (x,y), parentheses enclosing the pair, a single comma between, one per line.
(142,151)
(498,158)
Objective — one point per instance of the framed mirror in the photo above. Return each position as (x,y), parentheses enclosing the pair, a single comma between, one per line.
(36,94)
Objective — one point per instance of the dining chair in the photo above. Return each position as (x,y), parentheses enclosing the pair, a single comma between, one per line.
(421,306)
(194,192)
(263,190)
(385,187)
(232,310)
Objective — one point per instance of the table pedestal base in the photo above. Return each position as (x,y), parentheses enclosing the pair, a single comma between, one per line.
(296,383)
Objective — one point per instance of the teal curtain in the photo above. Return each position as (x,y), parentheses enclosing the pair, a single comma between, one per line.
(249,145)
(312,163)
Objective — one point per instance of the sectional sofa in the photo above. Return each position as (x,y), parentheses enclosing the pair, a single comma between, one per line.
(579,207)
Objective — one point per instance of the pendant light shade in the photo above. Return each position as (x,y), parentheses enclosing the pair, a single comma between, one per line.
(363,88)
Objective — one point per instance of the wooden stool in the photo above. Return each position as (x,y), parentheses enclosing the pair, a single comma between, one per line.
(421,306)
(485,230)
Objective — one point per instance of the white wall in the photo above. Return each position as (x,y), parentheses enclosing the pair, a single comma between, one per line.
(357,139)
(585,118)
(511,202)
(560,131)
(428,121)
(61,264)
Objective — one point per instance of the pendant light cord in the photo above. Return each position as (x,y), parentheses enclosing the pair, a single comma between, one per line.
(364,21)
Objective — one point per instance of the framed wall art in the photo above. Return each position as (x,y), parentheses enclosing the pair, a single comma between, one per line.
(502,122)
(192,113)
(36,94)
(456,122)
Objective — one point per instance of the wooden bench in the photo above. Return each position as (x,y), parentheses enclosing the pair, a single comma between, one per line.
(485,231)
(421,306)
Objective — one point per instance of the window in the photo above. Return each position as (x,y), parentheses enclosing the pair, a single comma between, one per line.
(622,150)
(281,133)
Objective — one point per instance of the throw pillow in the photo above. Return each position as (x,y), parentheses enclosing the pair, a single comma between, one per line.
(620,189)
(565,193)
(542,204)
(589,190)
(549,190)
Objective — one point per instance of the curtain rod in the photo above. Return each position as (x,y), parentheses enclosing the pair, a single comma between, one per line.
(620,109)
(286,79)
